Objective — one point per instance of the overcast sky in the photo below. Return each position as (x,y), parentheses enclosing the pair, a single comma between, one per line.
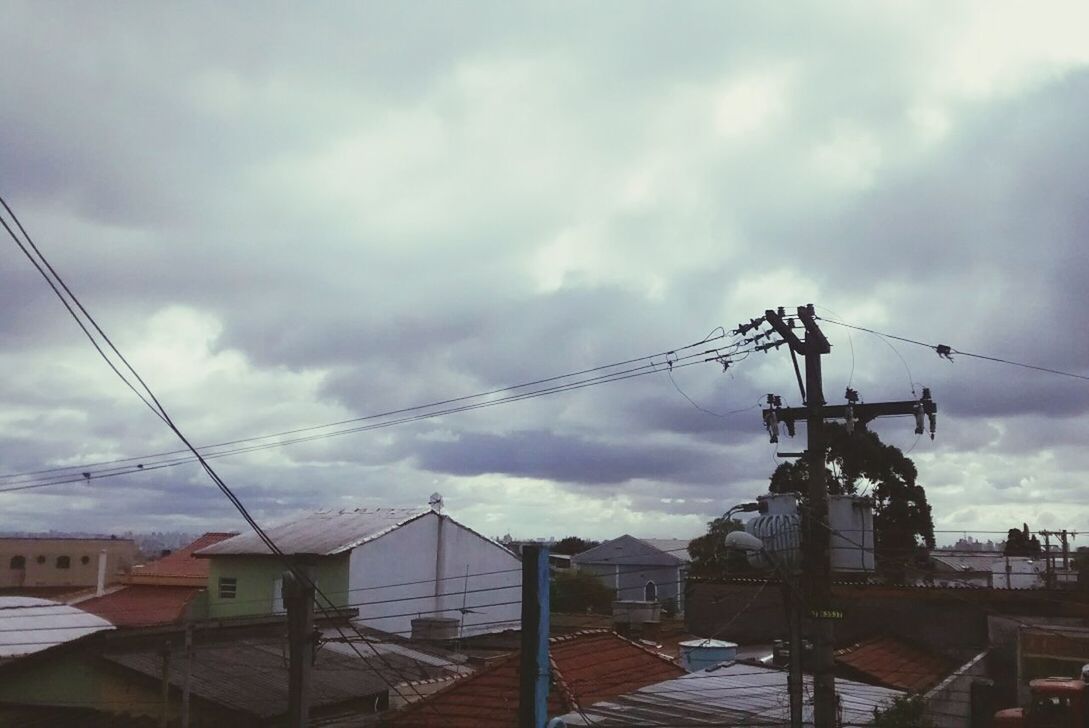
(293,214)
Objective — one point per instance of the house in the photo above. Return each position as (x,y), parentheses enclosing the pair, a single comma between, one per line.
(236,673)
(639,569)
(739,693)
(54,562)
(166,591)
(587,667)
(392,564)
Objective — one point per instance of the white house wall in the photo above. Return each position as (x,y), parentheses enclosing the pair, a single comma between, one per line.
(392,579)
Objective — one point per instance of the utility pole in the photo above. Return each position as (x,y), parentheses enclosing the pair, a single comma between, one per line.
(533,665)
(816,530)
(298,596)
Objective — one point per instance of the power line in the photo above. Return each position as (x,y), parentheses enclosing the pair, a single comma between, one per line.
(944,350)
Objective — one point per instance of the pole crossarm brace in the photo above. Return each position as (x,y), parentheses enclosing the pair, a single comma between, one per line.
(781,328)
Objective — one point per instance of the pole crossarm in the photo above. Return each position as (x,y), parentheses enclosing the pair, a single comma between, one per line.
(862,412)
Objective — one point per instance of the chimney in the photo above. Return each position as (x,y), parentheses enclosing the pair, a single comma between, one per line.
(101,573)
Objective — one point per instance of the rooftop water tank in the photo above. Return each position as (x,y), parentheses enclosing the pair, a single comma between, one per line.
(700,654)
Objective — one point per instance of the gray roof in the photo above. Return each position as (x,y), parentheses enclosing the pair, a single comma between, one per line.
(630,550)
(961,561)
(251,675)
(324,533)
(33,625)
(732,694)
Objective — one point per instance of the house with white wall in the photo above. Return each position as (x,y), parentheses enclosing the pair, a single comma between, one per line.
(391,564)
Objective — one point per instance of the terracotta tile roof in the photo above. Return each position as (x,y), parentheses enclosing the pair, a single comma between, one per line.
(895,663)
(141,606)
(587,667)
(180,565)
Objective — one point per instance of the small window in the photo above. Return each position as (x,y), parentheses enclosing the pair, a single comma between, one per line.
(18,562)
(63,562)
(40,559)
(650,592)
(227,587)
(85,559)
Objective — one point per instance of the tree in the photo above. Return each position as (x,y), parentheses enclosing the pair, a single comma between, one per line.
(577,591)
(902,522)
(572,545)
(1021,542)
(710,557)
(905,711)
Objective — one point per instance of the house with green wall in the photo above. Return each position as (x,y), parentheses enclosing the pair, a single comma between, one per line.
(391,564)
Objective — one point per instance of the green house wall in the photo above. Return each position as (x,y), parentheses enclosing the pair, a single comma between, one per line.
(256,578)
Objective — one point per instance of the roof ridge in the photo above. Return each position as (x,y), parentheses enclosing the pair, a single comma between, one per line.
(644,648)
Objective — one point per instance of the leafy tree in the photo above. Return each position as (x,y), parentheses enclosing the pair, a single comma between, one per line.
(1020,542)
(710,557)
(572,545)
(902,522)
(578,591)
(905,711)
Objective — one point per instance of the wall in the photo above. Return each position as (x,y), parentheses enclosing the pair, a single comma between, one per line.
(393,578)
(949,705)
(257,578)
(41,554)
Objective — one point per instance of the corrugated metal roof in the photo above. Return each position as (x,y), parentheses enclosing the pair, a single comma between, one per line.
(895,663)
(586,667)
(961,561)
(324,533)
(736,694)
(252,676)
(673,546)
(32,625)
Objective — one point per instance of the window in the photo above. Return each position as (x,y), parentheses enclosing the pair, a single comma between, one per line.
(63,562)
(85,559)
(40,559)
(228,585)
(650,592)
(18,562)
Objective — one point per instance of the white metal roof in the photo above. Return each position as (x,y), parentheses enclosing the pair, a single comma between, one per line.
(28,624)
(732,694)
(673,546)
(324,533)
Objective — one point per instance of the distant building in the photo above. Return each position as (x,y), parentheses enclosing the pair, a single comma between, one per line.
(639,569)
(63,562)
(392,564)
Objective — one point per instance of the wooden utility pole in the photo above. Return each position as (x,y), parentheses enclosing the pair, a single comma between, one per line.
(298,596)
(533,665)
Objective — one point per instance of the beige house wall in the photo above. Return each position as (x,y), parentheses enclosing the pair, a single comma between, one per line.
(42,561)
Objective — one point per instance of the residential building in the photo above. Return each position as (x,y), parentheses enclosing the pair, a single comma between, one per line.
(639,569)
(587,667)
(166,591)
(741,694)
(63,562)
(392,564)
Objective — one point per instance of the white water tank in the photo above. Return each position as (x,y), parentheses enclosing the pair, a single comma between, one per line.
(851,519)
(699,654)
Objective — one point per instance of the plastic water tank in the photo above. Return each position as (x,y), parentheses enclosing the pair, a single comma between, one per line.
(700,654)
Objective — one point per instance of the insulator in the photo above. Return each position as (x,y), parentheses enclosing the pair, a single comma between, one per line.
(850,417)
(918,411)
(772,423)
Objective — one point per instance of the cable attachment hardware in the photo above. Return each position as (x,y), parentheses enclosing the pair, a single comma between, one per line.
(945,352)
